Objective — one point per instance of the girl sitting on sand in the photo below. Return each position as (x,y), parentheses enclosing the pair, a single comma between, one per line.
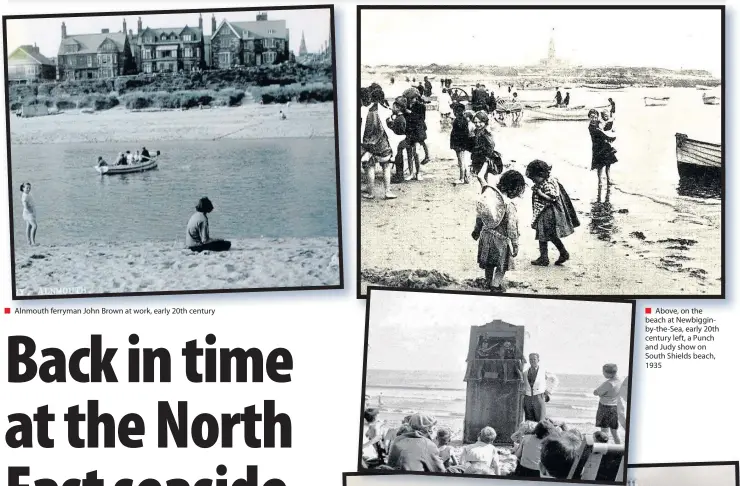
(530,448)
(497,228)
(196,236)
(553,214)
(29,213)
(485,160)
(483,452)
(446,452)
(461,141)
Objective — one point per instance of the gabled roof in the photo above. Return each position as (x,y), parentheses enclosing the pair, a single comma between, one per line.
(177,31)
(89,43)
(256,29)
(32,54)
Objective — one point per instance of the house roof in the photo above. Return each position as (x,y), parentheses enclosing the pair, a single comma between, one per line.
(178,31)
(261,28)
(89,43)
(32,53)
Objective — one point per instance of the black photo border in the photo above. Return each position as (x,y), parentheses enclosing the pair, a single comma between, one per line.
(629,466)
(332,18)
(368,472)
(722,295)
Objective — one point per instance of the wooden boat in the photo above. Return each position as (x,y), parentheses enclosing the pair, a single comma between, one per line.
(656,101)
(576,113)
(128,169)
(605,87)
(702,87)
(709,100)
(697,159)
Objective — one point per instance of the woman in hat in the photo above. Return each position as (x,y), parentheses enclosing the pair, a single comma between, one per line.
(497,228)
(603,155)
(415,450)
(197,236)
(553,214)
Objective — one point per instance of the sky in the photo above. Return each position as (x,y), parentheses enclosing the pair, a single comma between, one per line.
(673,39)
(47,33)
(431,332)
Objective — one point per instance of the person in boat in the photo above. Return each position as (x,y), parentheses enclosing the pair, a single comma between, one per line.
(498,238)
(129,158)
(101,162)
(137,157)
(603,155)
(566,101)
(121,160)
(29,213)
(145,155)
(558,98)
(197,236)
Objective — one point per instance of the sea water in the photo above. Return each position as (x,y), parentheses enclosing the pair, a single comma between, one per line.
(269,187)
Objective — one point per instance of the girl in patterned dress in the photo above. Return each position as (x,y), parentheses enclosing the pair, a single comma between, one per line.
(497,228)
(553,214)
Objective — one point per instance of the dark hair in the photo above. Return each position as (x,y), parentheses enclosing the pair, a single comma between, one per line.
(610,370)
(458,108)
(601,437)
(364,96)
(444,436)
(543,429)
(23,186)
(559,452)
(511,183)
(376,93)
(204,205)
(538,168)
(371,414)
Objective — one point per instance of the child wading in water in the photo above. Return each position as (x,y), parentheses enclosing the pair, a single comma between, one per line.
(553,215)
(497,227)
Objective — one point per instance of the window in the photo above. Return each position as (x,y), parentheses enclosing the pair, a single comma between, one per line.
(70,49)
(149,39)
(163,37)
(147,54)
(270,31)
(148,68)
(30,69)
(187,37)
(187,52)
(224,59)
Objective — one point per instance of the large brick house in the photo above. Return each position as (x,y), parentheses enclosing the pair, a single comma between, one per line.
(27,64)
(251,43)
(173,49)
(90,56)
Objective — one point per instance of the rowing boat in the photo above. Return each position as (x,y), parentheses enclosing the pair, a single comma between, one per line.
(605,87)
(697,159)
(579,113)
(127,169)
(656,101)
(703,87)
(709,100)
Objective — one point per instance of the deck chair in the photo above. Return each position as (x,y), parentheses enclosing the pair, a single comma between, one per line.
(598,462)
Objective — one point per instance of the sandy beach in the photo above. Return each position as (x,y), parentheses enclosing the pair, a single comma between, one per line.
(249,121)
(635,244)
(154,266)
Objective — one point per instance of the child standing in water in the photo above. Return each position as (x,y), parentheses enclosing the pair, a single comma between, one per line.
(553,214)
(497,227)
(29,213)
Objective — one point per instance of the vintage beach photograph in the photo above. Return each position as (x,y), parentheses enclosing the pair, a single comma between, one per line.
(172,151)
(482,385)
(555,160)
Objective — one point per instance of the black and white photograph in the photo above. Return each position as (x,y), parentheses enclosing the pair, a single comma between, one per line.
(556,159)
(679,474)
(166,152)
(461,384)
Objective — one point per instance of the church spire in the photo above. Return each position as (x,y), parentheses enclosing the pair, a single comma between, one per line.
(551,49)
(302,51)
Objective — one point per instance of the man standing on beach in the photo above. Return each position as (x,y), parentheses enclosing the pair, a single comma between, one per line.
(539,385)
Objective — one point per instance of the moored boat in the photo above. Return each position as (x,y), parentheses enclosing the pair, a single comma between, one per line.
(649,101)
(696,159)
(603,87)
(709,100)
(127,169)
(703,87)
(579,113)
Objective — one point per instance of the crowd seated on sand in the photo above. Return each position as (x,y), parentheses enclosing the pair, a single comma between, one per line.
(545,449)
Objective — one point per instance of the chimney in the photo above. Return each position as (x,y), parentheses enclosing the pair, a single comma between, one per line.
(104,31)
(64,30)
(200,21)
(262,16)
(130,32)
(213,24)
(138,26)
(124,26)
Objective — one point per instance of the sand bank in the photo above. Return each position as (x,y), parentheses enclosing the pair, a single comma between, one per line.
(156,266)
(250,121)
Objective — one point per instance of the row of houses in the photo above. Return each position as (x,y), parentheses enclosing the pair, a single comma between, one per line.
(155,50)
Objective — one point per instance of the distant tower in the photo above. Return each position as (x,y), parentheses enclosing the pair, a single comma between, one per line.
(138,26)
(124,26)
(302,51)
(64,30)
(200,21)
(551,49)
(213,24)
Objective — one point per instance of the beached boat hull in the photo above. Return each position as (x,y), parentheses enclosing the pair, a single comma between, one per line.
(559,114)
(698,160)
(126,169)
(710,100)
(604,87)
(656,101)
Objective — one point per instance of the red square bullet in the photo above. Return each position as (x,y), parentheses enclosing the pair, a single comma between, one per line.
(7,310)
(648,310)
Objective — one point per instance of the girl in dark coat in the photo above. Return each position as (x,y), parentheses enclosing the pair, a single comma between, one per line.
(461,141)
(603,154)
(484,159)
(416,132)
